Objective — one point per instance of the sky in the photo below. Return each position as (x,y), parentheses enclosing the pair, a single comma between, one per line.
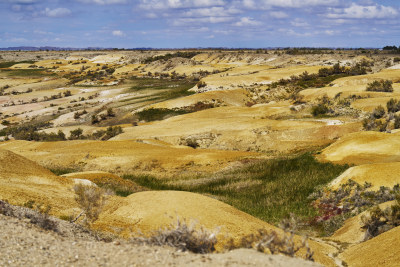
(200,23)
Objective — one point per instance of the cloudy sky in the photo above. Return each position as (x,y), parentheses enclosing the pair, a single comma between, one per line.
(200,23)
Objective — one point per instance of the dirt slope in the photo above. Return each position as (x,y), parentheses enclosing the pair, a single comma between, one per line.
(383,250)
(364,148)
(23,244)
(22,180)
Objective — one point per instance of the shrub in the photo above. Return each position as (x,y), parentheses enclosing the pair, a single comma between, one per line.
(201,84)
(380,86)
(76,134)
(393,105)
(379,221)
(378,112)
(42,218)
(318,110)
(397,122)
(183,236)
(91,199)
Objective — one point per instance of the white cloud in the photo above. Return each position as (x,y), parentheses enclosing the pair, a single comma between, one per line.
(165,4)
(266,4)
(189,21)
(210,12)
(23,1)
(299,23)
(118,33)
(57,12)
(278,14)
(103,2)
(247,21)
(356,11)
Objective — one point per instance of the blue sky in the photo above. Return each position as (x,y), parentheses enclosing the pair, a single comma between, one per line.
(200,23)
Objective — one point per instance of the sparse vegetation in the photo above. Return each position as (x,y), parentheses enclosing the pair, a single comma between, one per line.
(183,236)
(350,199)
(91,199)
(380,86)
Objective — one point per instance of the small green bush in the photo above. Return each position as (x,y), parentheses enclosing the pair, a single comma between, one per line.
(318,110)
(380,86)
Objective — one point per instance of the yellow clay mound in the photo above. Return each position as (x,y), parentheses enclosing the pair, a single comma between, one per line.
(364,148)
(22,180)
(152,210)
(378,174)
(383,250)
(106,178)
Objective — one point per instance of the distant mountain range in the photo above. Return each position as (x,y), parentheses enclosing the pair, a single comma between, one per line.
(53,48)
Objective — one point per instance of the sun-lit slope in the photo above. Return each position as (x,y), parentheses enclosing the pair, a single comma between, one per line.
(247,75)
(378,174)
(242,128)
(152,210)
(235,97)
(356,85)
(22,180)
(364,148)
(105,178)
(383,250)
(351,231)
(125,156)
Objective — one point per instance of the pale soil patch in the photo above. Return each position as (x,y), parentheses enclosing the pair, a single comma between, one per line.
(364,148)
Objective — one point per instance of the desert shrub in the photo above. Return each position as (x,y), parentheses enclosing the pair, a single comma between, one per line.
(319,110)
(76,134)
(201,84)
(42,218)
(379,221)
(380,86)
(6,209)
(397,122)
(393,105)
(183,236)
(110,112)
(91,199)
(396,59)
(350,199)
(154,114)
(271,242)
(378,112)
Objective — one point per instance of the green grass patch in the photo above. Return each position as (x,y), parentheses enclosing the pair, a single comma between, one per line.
(27,72)
(156,114)
(8,64)
(62,171)
(269,190)
(171,88)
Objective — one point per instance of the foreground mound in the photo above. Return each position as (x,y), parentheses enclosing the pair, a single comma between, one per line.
(22,181)
(152,210)
(364,148)
(378,174)
(383,250)
(28,245)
